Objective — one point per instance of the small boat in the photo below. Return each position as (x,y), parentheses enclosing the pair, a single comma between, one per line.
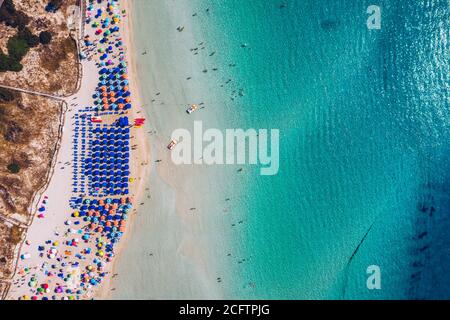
(96,119)
(172,144)
(192,108)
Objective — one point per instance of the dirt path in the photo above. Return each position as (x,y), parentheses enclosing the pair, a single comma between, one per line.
(34,92)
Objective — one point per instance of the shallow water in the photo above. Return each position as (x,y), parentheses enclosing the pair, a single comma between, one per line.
(363,120)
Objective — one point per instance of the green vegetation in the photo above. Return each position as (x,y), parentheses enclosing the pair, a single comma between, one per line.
(11,17)
(54,5)
(19,45)
(6,95)
(9,64)
(17,48)
(13,167)
(29,37)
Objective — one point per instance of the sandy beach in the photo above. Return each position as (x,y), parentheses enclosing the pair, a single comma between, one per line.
(178,248)
(175,245)
(311,139)
(58,190)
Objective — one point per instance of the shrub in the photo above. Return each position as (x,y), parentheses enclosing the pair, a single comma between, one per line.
(4,62)
(11,17)
(8,63)
(29,37)
(6,95)
(13,167)
(7,11)
(45,37)
(17,48)
(8,5)
(15,66)
(54,5)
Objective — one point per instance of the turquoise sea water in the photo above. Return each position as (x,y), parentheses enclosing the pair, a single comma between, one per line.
(364,142)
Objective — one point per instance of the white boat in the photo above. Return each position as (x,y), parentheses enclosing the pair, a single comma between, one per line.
(172,144)
(192,108)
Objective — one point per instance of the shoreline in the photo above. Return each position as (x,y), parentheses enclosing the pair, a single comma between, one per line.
(76,35)
(179,244)
(186,241)
(139,171)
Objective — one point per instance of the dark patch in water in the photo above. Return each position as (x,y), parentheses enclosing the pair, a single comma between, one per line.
(421,235)
(329,24)
(417,264)
(431,244)
(351,258)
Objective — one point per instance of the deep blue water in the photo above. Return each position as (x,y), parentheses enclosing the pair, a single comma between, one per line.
(364,120)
